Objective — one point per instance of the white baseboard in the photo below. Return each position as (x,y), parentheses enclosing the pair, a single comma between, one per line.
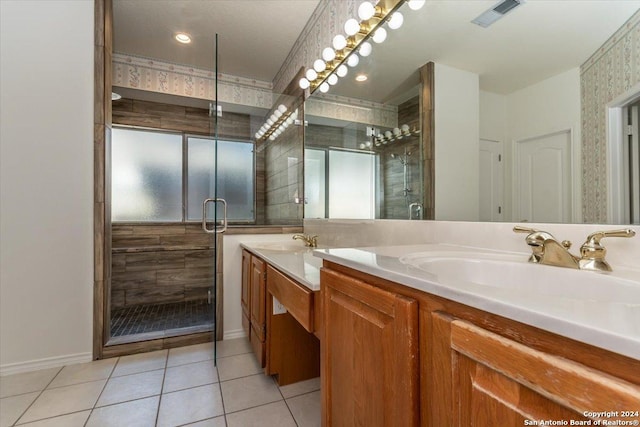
(49,362)
(237,333)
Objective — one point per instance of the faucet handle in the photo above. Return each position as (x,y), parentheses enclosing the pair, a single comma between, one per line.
(519,229)
(592,253)
(594,238)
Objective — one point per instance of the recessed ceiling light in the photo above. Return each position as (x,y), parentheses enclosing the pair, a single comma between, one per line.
(361,77)
(183,38)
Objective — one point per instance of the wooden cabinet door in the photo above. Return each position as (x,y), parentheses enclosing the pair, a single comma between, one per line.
(257,289)
(245,296)
(497,381)
(369,355)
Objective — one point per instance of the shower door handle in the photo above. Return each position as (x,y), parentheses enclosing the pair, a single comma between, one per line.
(224,216)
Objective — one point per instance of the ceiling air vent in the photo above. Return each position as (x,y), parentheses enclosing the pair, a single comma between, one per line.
(496,12)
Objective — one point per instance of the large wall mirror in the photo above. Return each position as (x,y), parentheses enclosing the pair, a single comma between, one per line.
(511,103)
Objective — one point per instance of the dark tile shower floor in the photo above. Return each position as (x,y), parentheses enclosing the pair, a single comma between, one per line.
(140,319)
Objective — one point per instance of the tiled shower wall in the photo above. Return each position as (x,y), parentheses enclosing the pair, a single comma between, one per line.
(161,263)
(396,205)
(284,178)
(611,72)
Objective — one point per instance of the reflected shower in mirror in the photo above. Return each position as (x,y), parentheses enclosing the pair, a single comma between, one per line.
(520,113)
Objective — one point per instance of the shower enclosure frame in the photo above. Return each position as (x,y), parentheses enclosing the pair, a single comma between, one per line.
(103,49)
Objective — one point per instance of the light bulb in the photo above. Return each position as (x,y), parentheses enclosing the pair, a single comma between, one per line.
(366,11)
(277,113)
(319,65)
(365,49)
(324,87)
(416,4)
(380,35)
(257,135)
(362,146)
(396,21)
(328,54)
(339,42)
(269,122)
(368,144)
(273,118)
(282,108)
(387,134)
(342,70)
(311,74)
(289,121)
(332,80)
(405,129)
(396,131)
(272,137)
(353,60)
(351,27)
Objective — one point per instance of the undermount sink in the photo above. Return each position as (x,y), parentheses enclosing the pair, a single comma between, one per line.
(506,273)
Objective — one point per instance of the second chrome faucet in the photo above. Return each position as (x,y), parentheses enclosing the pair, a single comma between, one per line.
(547,250)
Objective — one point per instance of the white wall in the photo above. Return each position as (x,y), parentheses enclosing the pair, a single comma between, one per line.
(46,183)
(232,277)
(456,144)
(546,107)
(493,116)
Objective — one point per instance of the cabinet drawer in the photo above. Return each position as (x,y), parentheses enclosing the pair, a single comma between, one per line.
(297,299)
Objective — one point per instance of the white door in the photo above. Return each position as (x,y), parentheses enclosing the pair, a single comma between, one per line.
(542,178)
(491,180)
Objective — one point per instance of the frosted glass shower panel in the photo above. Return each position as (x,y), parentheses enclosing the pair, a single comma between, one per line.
(351,185)
(146,176)
(314,183)
(235,178)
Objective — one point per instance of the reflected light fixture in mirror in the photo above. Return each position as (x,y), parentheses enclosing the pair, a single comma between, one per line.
(372,15)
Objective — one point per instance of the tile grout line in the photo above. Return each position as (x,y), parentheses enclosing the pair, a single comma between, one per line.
(113,370)
(102,391)
(164,376)
(37,397)
(285,402)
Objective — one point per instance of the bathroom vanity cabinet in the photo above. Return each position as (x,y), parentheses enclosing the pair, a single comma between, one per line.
(253,303)
(279,317)
(394,355)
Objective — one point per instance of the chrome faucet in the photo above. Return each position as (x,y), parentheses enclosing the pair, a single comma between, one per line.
(309,241)
(547,250)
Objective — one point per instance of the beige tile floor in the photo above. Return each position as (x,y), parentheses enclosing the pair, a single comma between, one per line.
(177,387)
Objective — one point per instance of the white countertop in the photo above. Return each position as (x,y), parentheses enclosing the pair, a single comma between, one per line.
(607,320)
(297,262)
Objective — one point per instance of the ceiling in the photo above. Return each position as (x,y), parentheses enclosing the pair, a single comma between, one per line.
(537,40)
(255,36)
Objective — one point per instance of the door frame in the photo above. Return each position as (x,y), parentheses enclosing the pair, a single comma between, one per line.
(500,144)
(615,125)
(574,173)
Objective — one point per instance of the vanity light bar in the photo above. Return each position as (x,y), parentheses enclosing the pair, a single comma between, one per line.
(395,134)
(277,123)
(372,17)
